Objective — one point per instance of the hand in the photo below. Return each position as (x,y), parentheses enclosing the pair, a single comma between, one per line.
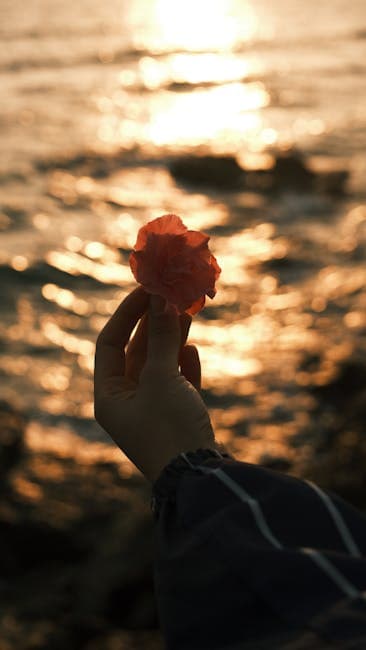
(151,410)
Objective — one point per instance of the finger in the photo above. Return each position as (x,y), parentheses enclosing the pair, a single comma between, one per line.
(185,324)
(110,355)
(190,365)
(163,339)
(137,348)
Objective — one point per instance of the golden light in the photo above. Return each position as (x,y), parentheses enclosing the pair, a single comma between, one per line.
(50,291)
(123,231)
(66,299)
(57,378)
(222,111)
(41,221)
(284,300)
(186,68)
(202,25)
(74,244)
(355,319)
(208,68)
(218,368)
(94,249)
(67,341)
(75,264)
(219,104)
(19,262)
(269,136)
(153,74)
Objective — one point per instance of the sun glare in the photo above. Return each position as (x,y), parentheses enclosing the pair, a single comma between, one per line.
(207,24)
(207,114)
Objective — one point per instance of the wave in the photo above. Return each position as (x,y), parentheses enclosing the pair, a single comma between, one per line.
(41,272)
(127,54)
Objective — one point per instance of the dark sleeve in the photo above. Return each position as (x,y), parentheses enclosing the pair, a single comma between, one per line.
(247,557)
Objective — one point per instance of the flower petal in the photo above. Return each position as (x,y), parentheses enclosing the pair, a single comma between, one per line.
(196,239)
(196,306)
(167,224)
(176,263)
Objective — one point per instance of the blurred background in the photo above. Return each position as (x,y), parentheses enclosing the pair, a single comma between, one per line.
(248,120)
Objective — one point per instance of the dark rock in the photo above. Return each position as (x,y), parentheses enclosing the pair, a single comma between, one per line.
(76,540)
(310,362)
(117,579)
(281,414)
(277,463)
(222,172)
(130,606)
(31,544)
(289,269)
(241,428)
(259,180)
(340,466)
(333,182)
(291,172)
(331,177)
(12,426)
(348,382)
(341,411)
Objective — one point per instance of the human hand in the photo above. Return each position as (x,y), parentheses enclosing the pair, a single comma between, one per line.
(151,410)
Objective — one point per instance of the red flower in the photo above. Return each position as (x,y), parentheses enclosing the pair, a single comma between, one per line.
(174,262)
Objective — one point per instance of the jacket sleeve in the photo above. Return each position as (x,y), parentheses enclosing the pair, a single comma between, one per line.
(246,557)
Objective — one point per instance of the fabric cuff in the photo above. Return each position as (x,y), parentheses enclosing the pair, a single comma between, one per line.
(165,486)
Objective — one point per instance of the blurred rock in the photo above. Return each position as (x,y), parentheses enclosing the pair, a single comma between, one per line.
(278,463)
(222,172)
(331,177)
(339,466)
(76,544)
(333,182)
(11,438)
(349,381)
(290,269)
(338,455)
(292,172)
(289,171)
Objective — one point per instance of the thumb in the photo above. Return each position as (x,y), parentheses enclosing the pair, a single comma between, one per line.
(164,337)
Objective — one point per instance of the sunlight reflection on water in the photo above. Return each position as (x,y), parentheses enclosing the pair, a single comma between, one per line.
(192,25)
(99,100)
(207,77)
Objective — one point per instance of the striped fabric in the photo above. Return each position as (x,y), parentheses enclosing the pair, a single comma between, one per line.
(248,557)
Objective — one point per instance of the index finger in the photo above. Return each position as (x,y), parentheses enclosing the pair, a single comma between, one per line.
(111,342)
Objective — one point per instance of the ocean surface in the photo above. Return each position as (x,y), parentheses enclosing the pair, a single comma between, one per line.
(96,98)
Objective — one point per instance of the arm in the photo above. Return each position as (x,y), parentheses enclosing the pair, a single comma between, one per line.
(245,557)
